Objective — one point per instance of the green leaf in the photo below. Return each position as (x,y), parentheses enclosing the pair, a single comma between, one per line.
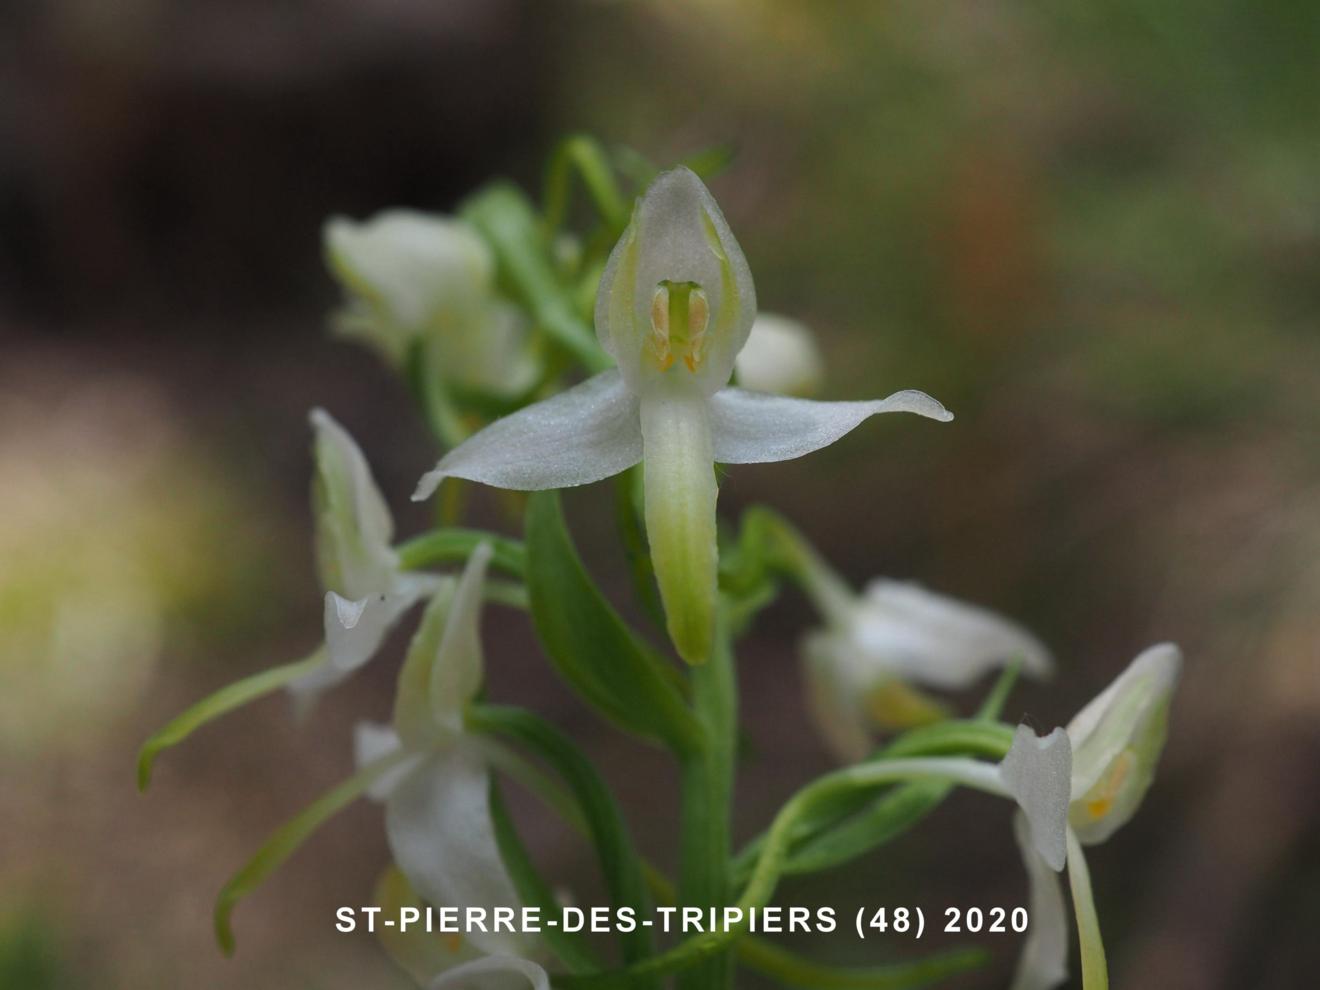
(591,646)
(286,839)
(228,698)
(882,821)
(620,865)
(570,947)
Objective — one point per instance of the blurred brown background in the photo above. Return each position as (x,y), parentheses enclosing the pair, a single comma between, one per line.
(1092,230)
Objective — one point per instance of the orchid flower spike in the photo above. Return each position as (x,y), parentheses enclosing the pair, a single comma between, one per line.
(1116,743)
(866,667)
(780,356)
(413,277)
(437,807)
(674,308)
(365,590)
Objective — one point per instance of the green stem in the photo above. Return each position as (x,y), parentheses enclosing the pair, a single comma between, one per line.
(228,698)
(853,822)
(512,594)
(707,797)
(584,155)
(286,840)
(438,409)
(765,875)
(442,546)
(788,551)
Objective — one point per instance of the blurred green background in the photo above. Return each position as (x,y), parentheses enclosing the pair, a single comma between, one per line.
(1091,229)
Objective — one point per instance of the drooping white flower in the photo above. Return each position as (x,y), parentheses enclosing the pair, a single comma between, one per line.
(419,277)
(437,807)
(780,356)
(866,667)
(365,590)
(675,305)
(1116,743)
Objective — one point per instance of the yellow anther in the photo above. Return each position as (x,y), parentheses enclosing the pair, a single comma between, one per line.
(659,337)
(1100,799)
(453,941)
(680,314)
(698,319)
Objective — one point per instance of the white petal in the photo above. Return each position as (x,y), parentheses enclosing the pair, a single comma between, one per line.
(457,673)
(1115,717)
(780,357)
(932,639)
(493,354)
(1043,963)
(413,718)
(493,973)
(753,428)
(353,524)
(354,631)
(372,742)
(585,434)
(440,832)
(1038,771)
(677,234)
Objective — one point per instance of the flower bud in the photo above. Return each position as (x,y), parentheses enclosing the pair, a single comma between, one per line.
(780,356)
(1117,740)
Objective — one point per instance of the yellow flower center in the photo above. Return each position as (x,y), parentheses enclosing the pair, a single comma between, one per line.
(680,314)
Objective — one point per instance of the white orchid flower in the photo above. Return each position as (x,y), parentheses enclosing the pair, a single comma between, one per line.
(865,668)
(1116,742)
(415,276)
(365,590)
(674,308)
(780,356)
(437,807)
